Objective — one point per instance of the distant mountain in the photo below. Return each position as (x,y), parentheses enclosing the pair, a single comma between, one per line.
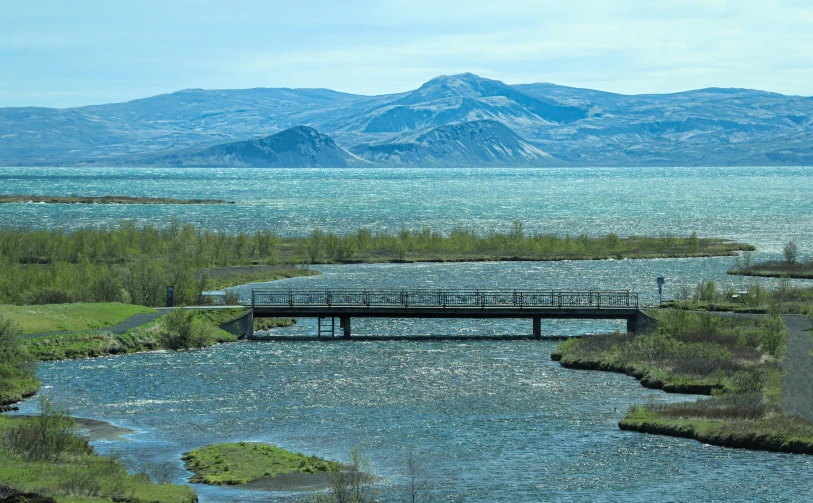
(484,143)
(464,98)
(574,126)
(298,147)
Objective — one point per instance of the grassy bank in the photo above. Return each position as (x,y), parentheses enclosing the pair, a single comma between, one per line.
(225,277)
(776,269)
(243,462)
(219,316)
(57,462)
(17,380)
(784,298)
(70,317)
(724,425)
(150,337)
(734,360)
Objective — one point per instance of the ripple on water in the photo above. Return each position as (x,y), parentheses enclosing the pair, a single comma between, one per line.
(492,420)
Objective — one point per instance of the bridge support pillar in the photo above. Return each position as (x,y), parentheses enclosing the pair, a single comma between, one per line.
(537,327)
(344,323)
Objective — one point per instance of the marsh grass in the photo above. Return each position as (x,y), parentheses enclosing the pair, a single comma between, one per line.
(242,462)
(736,359)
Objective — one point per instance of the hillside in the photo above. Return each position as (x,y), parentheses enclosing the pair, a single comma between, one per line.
(298,147)
(484,142)
(574,126)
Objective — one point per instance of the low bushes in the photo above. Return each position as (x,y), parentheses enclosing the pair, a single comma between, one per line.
(45,454)
(734,360)
(49,436)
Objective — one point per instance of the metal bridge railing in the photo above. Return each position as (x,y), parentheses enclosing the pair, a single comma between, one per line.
(443,298)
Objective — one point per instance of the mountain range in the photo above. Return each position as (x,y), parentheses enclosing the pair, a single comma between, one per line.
(459,120)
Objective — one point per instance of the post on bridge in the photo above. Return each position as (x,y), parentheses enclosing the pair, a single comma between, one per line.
(344,323)
(537,327)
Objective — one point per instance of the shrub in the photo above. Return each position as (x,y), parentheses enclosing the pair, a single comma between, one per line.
(183,330)
(48,436)
(791,252)
(773,335)
(706,291)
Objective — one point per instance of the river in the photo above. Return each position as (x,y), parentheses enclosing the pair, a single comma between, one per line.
(491,421)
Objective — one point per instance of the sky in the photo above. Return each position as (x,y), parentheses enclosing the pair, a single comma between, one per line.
(80,52)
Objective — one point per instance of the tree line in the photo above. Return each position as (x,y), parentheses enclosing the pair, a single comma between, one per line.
(133,263)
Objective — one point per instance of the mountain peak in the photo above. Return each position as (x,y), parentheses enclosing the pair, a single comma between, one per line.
(464,85)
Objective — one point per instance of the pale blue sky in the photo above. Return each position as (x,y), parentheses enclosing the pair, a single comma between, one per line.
(68,53)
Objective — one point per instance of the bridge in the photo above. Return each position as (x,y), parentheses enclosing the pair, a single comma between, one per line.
(327,305)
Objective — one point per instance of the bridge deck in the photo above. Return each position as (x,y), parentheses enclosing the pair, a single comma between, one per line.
(535,304)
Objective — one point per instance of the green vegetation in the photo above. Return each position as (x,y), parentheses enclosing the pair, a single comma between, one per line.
(224,277)
(734,360)
(129,264)
(70,317)
(740,421)
(465,245)
(134,264)
(17,366)
(785,298)
(46,455)
(790,267)
(156,335)
(689,352)
(269,323)
(243,462)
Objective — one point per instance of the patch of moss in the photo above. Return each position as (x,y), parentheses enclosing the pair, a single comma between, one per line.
(243,462)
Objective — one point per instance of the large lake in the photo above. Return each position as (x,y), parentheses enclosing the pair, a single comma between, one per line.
(490,420)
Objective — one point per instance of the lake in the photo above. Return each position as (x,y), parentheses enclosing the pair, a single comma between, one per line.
(491,421)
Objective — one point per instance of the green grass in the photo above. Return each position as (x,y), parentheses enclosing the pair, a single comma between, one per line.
(242,462)
(84,478)
(219,316)
(776,269)
(70,317)
(734,360)
(89,345)
(774,431)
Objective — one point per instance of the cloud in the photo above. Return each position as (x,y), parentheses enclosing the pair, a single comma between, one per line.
(375,47)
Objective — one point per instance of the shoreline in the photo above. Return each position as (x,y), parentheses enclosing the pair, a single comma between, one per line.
(744,408)
(24,199)
(97,429)
(715,434)
(514,258)
(646,380)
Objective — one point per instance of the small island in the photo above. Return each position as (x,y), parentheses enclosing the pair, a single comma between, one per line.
(105,200)
(245,462)
(790,267)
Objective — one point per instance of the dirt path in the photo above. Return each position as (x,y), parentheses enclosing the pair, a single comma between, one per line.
(797,385)
(124,326)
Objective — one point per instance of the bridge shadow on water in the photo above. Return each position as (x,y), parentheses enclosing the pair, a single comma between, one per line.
(427,338)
